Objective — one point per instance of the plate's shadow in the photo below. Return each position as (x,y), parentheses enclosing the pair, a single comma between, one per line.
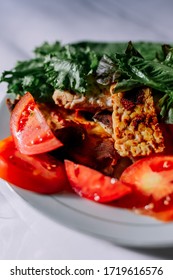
(163,253)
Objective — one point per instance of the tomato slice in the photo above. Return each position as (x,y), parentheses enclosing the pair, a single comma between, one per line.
(29,128)
(93,185)
(39,173)
(151,176)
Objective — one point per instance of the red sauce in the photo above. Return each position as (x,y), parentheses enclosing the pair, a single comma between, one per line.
(161,210)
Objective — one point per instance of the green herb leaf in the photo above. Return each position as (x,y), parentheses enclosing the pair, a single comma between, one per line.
(136,71)
(87,67)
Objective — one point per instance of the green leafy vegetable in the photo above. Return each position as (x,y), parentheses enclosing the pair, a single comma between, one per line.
(71,69)
(87,67)
(54,67)
(130,70)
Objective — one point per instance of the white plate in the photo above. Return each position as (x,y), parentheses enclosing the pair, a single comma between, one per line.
(119,225)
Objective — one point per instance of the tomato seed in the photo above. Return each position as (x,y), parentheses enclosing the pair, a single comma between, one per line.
(25,115)
(113,180)
(163,165)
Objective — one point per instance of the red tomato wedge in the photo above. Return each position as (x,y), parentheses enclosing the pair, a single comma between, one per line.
(93,185)
(39,173)
(152,176)
(29,128)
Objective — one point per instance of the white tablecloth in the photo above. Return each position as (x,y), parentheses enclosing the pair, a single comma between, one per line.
(26,233)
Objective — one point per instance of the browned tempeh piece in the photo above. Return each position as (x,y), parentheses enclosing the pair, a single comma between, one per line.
(136,129)
(70,101)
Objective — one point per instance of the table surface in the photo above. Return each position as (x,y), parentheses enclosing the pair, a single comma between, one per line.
(25,25)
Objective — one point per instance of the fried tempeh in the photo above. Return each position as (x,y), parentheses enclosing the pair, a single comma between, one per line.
(88,102)
(136,129)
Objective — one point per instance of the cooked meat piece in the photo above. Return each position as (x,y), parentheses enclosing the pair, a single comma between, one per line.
(105,153)
(71,134)
(122,164)
(96,153)
(104,118)
(80,101)
(12,102)
(135,126)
